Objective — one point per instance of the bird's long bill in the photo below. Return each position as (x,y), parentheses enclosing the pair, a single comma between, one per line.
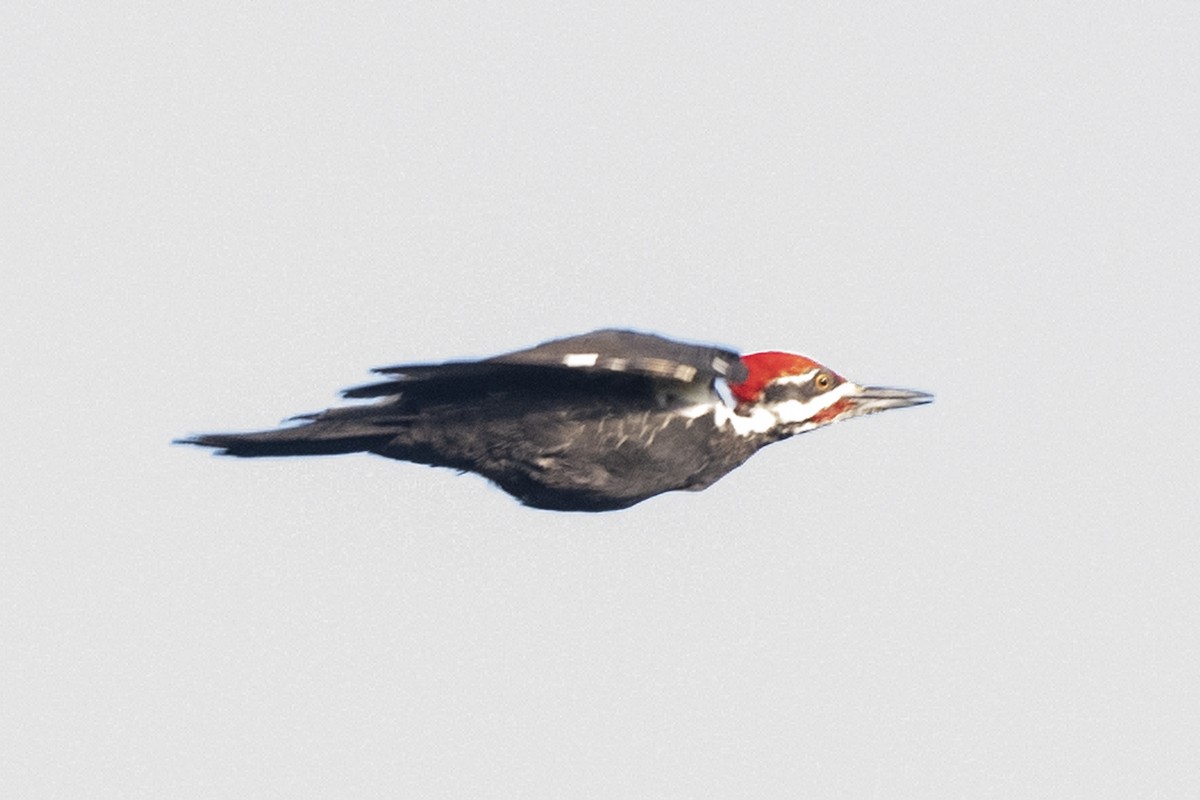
(881,398)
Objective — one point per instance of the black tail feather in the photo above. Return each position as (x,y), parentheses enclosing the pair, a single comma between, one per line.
(313,439)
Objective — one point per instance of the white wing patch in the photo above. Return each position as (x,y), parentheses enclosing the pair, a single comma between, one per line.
(684,372)
(654,366)
(663,366)
(580,359)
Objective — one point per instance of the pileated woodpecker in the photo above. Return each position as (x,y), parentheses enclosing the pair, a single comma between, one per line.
(595,422)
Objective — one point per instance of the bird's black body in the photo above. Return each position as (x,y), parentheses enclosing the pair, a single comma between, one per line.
(575,438)
(571,448)
(596,422)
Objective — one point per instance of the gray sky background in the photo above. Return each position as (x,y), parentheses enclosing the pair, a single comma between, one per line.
(216,216)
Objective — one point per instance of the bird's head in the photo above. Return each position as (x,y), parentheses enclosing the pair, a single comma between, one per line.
(785,394)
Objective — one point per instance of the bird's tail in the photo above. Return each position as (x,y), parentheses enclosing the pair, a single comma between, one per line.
(320,437)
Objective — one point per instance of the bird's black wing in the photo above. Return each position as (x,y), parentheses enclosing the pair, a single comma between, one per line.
(638,353)
(605,359)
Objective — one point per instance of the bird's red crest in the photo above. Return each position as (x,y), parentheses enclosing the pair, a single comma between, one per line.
(765,367)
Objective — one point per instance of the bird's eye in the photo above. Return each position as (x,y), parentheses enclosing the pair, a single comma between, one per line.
(823,381)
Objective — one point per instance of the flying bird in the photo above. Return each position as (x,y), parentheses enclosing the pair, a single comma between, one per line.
(595,422)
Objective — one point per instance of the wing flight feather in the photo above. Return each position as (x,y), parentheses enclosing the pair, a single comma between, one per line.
(604,352)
